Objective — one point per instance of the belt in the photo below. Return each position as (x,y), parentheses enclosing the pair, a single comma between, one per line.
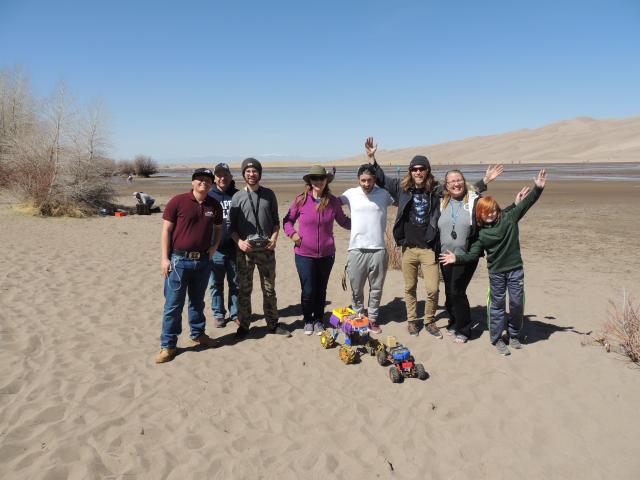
(190,255)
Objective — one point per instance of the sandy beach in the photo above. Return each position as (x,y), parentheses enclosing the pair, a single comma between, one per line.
(81,398)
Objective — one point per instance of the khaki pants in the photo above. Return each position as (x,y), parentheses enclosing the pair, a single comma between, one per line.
(412,257)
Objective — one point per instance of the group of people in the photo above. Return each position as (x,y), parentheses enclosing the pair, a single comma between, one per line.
(217,231)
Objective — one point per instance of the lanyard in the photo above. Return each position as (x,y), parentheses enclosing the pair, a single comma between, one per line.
(454,217)
(254,208)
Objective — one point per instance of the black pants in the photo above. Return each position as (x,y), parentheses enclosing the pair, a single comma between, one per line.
(314,276)
(456,280)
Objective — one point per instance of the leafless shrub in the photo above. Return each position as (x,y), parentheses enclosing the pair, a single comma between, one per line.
(125,167)
(145,166)
(52,157)
(621,331)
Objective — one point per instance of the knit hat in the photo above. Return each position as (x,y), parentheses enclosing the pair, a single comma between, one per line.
(420,161)
(318,171)
(251,162)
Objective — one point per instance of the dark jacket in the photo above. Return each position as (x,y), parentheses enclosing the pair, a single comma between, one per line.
(226,244)
(404,199)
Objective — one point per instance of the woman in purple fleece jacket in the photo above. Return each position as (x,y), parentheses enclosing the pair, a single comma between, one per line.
(315,209)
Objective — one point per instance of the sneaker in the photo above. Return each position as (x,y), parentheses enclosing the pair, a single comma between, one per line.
(218,322)
(308,328)
(413,328)
(374,327)
(451,331)
(433,329)
(241,333)
(318,328)
(166,355)
(502,348)
(514,342)
(204,340)
(278,330)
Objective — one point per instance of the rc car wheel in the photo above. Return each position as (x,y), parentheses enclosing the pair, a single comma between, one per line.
(394,374)
(382,358)
(421,372)
(327,340)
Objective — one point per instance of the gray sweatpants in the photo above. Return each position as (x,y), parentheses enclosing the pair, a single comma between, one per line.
(499,283)
(362,265)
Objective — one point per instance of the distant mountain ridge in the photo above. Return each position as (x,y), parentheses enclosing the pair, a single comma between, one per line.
(582,139)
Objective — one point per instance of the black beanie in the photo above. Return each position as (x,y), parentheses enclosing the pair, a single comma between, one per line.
(420,161)
(251,162)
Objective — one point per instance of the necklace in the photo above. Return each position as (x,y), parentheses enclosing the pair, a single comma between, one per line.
(454,216)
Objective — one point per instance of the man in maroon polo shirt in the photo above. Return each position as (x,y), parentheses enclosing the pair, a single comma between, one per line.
(189,222)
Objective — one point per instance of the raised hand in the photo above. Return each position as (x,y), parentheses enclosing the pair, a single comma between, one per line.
(541,179)
(371,148)
(493,172)
(521,194)
(447,258)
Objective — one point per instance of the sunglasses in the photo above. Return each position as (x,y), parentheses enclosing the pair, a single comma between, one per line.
(317,178)
(418,169)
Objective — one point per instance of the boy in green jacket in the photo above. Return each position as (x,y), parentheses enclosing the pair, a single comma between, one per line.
(499,237)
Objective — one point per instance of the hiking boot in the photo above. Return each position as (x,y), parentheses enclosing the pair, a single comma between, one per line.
(502,348)
(374,327)
(308,328)
(318,328)
(514,342)
(413,328)
(278,330)
(166,355)
(241,333)
(204,340)
(218,322)
(433,329)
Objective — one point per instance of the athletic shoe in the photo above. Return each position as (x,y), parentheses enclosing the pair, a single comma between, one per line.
(308,328)
(278,330)
(218,322)
(413,328)
(204,340)
(515,343)
(166,355)
(374,327)
(502,348)
(318,328)
(433,329)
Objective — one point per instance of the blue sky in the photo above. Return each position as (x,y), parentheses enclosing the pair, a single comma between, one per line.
(195,79)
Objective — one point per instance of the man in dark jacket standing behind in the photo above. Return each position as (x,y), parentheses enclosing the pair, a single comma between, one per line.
(223,262)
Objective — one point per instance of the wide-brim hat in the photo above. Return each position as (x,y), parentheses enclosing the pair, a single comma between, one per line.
(318,170)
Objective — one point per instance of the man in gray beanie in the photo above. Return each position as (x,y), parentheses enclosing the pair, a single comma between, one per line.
(254,227)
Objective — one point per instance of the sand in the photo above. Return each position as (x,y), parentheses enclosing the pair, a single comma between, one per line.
(80,396)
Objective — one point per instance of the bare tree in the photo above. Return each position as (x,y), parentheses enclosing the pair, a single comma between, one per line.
(145,166)
(53,157)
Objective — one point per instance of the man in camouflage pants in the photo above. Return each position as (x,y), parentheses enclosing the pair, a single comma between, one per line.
(254,227)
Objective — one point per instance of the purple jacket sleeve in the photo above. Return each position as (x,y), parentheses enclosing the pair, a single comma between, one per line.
(290,219)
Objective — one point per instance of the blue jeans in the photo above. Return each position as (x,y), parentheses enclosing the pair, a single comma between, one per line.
(186,276)
(224,264)
(314,276)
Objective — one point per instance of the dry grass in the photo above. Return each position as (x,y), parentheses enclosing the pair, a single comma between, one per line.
(395,252)
(621,331)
